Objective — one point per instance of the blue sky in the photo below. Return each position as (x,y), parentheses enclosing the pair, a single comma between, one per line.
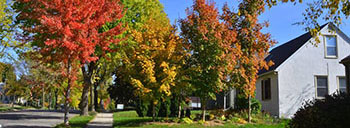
(281,17)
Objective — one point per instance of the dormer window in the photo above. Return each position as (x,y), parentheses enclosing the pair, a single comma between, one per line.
(331,46)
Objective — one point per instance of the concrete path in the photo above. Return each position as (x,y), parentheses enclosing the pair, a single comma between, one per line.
(102,120)
(31,119)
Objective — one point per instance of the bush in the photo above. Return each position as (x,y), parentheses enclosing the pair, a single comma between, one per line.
(141,108)
(174,106)
(164,110)
(243,104)
(333,111)
(150,109)
(186,120)
(175,120)
(111,106)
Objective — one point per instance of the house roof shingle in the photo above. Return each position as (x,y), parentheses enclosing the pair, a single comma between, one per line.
(281,53)
(345,60)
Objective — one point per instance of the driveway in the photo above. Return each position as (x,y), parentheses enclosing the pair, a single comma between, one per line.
(32,118)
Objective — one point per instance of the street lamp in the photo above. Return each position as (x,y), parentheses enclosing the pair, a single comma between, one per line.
(346,63)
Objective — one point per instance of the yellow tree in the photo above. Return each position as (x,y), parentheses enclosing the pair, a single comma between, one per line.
(5,26)
(153,66)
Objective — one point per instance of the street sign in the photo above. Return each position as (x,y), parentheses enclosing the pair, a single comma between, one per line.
(120,106)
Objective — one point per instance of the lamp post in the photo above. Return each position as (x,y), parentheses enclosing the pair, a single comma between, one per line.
(346,63)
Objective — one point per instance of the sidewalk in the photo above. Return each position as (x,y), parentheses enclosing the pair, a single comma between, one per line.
(102,120)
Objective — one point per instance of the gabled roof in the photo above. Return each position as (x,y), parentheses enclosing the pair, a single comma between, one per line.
(281,53)
(346,60)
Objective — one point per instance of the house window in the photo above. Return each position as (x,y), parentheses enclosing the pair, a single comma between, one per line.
(342,84)
(322,86)
(266,89)
(331,46)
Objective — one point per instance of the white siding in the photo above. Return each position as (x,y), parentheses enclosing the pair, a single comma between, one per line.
(297,74)
(271,105)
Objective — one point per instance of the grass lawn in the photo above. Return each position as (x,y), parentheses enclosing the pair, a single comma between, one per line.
(130,119)
(78,121)
(7,108)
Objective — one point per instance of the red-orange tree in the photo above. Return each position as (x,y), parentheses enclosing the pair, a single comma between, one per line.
(68,31)
(253,44)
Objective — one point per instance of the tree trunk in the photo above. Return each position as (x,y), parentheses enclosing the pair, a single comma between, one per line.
(85,94)
(203,113)
(84,101)
(96,97)
(67,94)
(249,109)
(153,112)
(13,101)
(50,100)
(204,104)
(43,99)
(56,98)
(179,116)
(92,99)
(66,104)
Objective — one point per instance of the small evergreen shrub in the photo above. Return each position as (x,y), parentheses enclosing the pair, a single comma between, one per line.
(164,110)
(242,103)
(141,108)
(331,112)
(150,109)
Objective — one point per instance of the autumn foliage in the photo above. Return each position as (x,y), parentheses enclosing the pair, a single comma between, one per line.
(222,51)
(68,31)
(253,44)
(154,62)
(212,47)
(226,50)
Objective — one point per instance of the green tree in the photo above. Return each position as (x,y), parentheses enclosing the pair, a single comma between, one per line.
(12,88)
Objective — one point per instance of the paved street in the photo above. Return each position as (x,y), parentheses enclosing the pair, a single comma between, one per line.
(31,119)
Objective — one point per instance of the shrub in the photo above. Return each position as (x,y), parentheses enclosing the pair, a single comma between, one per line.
(150,109)
(333,111)
(111,106)
(175,120)
(141,108)
(223,118)
(211,116)
(241,121)
(174,106)
(164,110)
(186,120)
(243,104)
(218,112)
(201,122)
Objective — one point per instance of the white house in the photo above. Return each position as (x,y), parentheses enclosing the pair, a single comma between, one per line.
(303,70)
